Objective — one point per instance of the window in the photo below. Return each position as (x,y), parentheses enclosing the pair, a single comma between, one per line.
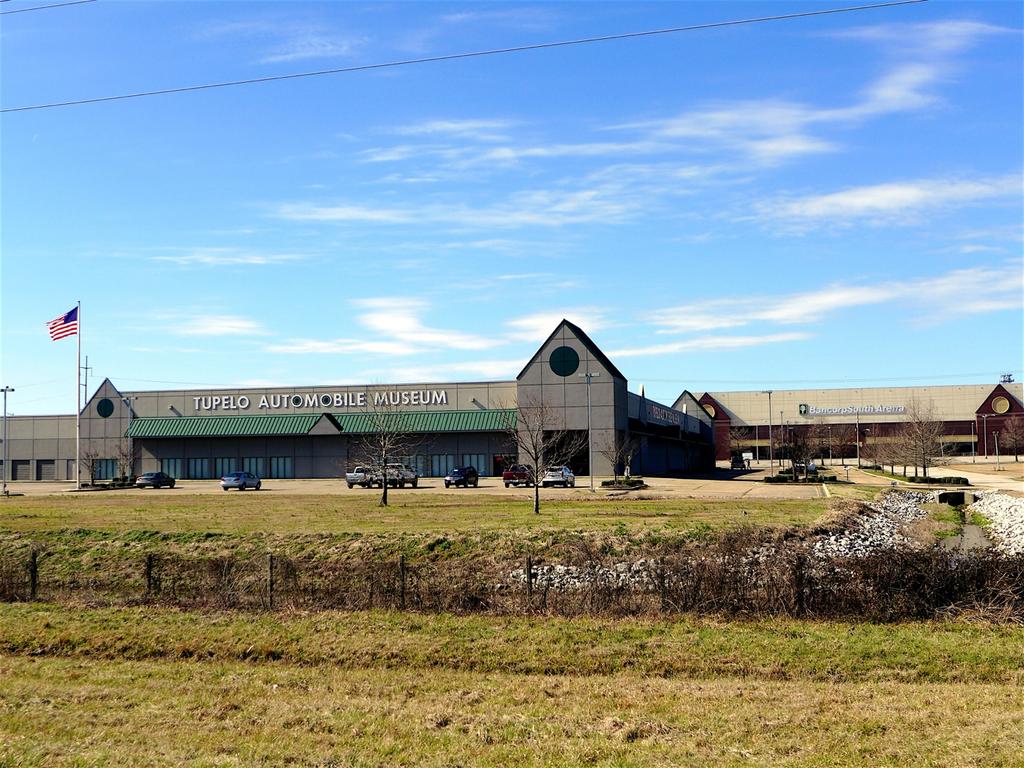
(477,461)
(441,464)
(199,469)
(224,466)
(171,467)
(253,465)
(281,466)
(104,469)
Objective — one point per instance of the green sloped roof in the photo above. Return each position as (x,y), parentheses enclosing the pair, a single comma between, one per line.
(223,426)
(495,420)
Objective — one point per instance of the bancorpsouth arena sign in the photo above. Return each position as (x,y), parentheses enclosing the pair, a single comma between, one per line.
(394,397)
(853,410)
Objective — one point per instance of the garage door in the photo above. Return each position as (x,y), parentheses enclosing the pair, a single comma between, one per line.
(20,469)
(46,469)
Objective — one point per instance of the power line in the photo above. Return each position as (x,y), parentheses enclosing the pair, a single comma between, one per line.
(44,7)
(844,380)
(455,56)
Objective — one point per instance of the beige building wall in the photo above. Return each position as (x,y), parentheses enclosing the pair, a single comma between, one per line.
(950,403)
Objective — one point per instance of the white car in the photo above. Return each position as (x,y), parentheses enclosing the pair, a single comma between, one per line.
(562,476)
(240,480)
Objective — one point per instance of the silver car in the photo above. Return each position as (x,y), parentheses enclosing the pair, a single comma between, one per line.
(240,480)
(562,476)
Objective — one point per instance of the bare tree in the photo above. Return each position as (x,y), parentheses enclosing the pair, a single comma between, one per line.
(621,452)
(388,437)
(1011,436)
(739,438)
(801,449)
(820,438)
(90,462)
(124,453)
(542,445)
(844,439)
(920,440)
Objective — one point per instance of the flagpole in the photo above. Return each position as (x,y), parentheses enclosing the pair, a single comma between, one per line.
(78,405)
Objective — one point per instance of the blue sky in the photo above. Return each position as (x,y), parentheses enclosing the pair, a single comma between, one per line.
(789,204)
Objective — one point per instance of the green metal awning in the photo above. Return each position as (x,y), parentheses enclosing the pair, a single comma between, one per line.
(224,426)
(494,420)
(497,420)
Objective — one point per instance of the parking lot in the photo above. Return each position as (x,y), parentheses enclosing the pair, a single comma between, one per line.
(723,485)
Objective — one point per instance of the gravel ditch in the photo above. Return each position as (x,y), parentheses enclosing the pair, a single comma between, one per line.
(1007,516)
(878,530)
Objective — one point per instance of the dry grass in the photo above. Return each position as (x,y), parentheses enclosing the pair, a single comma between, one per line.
(409,512)
(56,712)
(111,688)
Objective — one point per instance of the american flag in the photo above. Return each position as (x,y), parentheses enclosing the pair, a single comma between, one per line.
(64,326)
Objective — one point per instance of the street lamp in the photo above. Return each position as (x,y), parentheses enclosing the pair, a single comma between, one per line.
(830,445)
(7,463)
(974,442)
(771,449)
(984,426)
(590,433)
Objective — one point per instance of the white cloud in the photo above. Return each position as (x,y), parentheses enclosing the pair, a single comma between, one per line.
(487,370)
(220,257)
(963,291)
(468,129)
(538,207)
(893,202)
(394,327)
(217,325)
(286,39)
(538,326)
(310,44)
(709,343)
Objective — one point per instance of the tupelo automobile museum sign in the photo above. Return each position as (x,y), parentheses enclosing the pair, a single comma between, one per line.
(362,399)
(852,410)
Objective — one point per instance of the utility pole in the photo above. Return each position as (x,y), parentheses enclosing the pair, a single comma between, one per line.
(7,462)
(85,386)
(590,432)
(771,448)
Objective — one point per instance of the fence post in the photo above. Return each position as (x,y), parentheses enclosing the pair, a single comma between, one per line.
(149,574)
(270,581)
(529,578)
(798,584)
(401,579)
(33,575)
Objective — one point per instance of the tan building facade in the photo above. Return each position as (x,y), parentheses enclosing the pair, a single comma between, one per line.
(973,415)
(319,431)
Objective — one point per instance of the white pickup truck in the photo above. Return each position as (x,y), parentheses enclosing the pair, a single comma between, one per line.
(368,477)
(361,476)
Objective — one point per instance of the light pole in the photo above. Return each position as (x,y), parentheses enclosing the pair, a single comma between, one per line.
(7,463)
(974,441)
(830,445)
(771,448)
(131,443)
(857,441)
(984,426)
(590,432)
(996,438)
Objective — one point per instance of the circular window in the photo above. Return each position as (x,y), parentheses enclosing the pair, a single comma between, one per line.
(710,409)
(104,407)
(565,361)
(1000,405)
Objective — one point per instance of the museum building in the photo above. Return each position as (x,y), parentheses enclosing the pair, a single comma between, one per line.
(972,416)
(320,432)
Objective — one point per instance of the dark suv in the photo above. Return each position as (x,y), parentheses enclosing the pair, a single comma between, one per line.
(464,476)
(154,480)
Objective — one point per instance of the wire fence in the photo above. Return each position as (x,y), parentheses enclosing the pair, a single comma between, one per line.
(733,576)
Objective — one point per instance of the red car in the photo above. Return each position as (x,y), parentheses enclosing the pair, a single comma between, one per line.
(517,474)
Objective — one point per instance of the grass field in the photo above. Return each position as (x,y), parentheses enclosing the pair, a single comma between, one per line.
(408,513)
(127,687)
